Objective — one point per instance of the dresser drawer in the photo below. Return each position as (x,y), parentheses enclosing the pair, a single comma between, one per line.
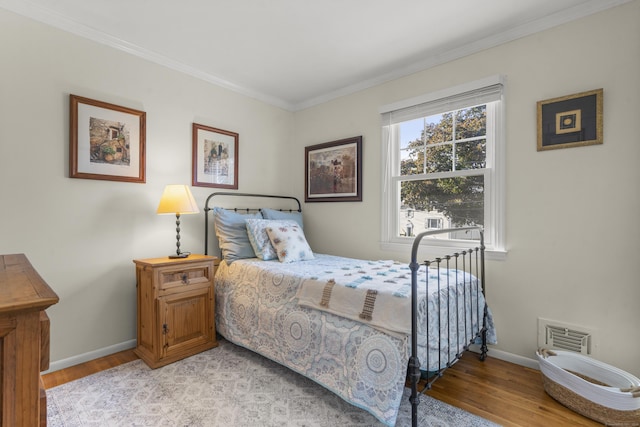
(181,278)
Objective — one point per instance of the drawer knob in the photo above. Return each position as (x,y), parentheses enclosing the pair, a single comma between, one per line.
(185,279)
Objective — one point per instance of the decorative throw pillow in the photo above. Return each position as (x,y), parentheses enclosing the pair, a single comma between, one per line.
(289,243)
(257,231)
(231,231)
(275,214)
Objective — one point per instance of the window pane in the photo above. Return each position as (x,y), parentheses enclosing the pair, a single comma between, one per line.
(471,122)
(410,131)
(411,146)
(439,158)
(448,202)
(439,128)
(409,164)
(471,154)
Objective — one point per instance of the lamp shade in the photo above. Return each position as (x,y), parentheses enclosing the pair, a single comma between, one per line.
(177,199)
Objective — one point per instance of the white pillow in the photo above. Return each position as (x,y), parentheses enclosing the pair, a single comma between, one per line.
(259,239)
(289,243)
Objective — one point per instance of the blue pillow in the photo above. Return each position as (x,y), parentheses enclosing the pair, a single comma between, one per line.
(231,231)
(275,214)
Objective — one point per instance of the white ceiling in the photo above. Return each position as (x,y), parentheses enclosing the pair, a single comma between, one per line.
(298,53)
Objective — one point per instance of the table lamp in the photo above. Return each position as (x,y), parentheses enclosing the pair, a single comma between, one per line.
(177,199)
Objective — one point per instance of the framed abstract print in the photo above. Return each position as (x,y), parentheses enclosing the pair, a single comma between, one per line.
(570,121)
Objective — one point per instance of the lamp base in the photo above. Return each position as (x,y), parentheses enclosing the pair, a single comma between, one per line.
(182,255)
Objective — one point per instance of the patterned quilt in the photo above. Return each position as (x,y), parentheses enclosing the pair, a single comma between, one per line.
(258,307)
(374,292)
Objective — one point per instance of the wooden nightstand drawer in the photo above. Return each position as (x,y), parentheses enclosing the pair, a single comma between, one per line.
(191,276)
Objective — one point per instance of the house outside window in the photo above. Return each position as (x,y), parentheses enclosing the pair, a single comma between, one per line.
(443,162)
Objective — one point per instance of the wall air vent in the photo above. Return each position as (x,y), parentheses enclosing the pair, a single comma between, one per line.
(556,335)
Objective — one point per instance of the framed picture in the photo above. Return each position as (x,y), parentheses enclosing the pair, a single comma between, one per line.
(334,171)
(106,141)
(570,121)
(215,157)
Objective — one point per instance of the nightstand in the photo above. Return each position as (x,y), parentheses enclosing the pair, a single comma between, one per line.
(176,316)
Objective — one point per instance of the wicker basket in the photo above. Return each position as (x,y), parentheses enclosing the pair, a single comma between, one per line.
(591,388)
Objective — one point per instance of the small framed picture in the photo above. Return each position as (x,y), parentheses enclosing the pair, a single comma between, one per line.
(570,121)
(334,171)
(214,157)
(107,141)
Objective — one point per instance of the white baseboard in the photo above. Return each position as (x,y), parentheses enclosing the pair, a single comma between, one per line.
(85,357)
(508,357)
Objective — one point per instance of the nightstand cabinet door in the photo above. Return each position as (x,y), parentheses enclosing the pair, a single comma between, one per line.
(186,322)
(176,316)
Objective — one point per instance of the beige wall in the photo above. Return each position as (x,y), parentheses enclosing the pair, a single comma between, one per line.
(573,215)
(82,235)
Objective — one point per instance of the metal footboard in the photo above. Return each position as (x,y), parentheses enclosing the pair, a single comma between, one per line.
(471,261)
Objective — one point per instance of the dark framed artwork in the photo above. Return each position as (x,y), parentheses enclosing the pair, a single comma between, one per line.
(107,141)
(333,171)
(214,157)
(570,121)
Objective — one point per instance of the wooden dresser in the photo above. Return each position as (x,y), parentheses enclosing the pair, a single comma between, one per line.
(176,316)
(24,342)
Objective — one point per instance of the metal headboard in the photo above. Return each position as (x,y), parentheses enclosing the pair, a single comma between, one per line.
(207,208)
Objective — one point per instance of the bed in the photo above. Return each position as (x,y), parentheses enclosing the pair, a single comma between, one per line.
(360,328)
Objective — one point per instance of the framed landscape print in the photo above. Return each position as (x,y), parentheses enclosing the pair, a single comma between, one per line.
(570,121)
(107,141)
(334,171)
(214,157)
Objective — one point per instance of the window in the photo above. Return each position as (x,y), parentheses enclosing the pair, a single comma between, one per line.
(443,165)
(433,224)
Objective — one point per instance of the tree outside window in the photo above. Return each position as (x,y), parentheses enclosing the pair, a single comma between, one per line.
(448,144)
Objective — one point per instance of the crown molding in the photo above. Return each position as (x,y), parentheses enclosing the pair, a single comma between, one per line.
(57,20)
(450,53)
(436,57)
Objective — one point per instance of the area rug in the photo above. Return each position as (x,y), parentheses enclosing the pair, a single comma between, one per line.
(225,386)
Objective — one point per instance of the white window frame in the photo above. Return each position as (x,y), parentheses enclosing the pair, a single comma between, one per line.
(494,172)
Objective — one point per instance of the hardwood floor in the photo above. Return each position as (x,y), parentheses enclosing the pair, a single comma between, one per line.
(505,393)
(79,371)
